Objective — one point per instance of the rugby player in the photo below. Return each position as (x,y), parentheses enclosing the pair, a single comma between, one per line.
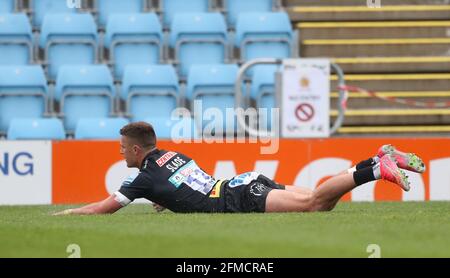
(174,181)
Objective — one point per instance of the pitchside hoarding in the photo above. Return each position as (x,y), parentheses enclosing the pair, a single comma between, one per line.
(25,173)
(72,172)
(90,171)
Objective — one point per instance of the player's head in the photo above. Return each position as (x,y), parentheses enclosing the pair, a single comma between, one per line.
(136,141)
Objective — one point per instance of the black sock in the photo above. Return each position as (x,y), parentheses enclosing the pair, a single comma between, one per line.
(365,163)
(363,176)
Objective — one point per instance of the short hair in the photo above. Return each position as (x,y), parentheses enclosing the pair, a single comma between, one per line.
(142,132)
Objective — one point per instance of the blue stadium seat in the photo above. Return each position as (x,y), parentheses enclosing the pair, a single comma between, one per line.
(133,39)
(7,6)
(263,86)
(264,35)
(234,8)
(214,86)
(172,7)
(105,8)
(199,39)
(40,8)
(150,91)
(263,89)
(85,91)
(23,93)
(36,129)
(16,40)
(99,128)
(174,128)
(68,39)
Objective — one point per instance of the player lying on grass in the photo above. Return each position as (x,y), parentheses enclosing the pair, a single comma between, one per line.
(174,181)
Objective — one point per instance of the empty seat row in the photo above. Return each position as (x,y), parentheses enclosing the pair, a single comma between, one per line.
(147,92)
(38,9)
(138,39)
(53,129)
(97,128)
(167,8)
(81,92)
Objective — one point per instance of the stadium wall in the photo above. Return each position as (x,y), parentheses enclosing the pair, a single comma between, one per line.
(72,172)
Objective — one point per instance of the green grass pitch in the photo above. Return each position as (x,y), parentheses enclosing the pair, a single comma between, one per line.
(410,229)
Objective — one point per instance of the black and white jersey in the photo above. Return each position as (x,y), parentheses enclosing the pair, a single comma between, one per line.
(173,181)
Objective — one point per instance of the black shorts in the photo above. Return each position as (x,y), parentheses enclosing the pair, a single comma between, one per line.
(248,194)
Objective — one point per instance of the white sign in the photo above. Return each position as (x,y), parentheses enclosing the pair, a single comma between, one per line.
(25,172)
(305,101)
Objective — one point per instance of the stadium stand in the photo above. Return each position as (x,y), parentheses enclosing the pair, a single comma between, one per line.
(150,91)
(194,33)
(399,51)
(133,39)
(16,40)
(214,86)
(36,129)
(99,128)
(24,87)
(84,92)
(68,39)
(170,8)
(106,8)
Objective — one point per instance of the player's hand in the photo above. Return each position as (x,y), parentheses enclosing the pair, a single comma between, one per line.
(158,208)
(64,212)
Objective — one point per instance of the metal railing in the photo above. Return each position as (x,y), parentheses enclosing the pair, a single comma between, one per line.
(239,97)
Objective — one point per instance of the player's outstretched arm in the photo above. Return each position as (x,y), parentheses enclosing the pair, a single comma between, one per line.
(107,206)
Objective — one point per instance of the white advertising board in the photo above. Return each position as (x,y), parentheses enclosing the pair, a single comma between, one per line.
(25,172)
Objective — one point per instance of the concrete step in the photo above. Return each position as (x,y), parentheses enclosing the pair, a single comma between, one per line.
(360,35)
(395,116)
(290,3)
(377,47)
(386,112)
(425,95)
(368,110)
(394,64)
(411,130)
(376,103)
(397,82)
(362,12)
(370,29)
